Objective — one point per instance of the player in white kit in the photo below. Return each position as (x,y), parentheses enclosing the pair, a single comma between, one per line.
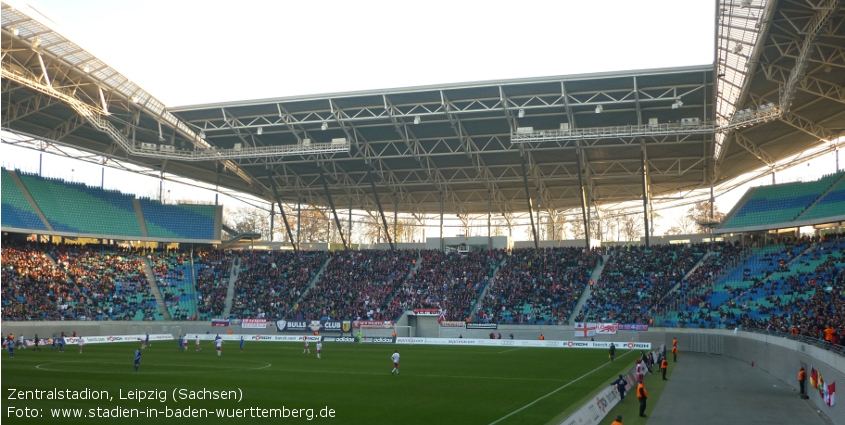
(395,358)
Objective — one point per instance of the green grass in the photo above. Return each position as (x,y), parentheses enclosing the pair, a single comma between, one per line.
(438,384)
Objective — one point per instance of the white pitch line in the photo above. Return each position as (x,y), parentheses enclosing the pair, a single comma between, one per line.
(559,388)
(150,364)
(512,349)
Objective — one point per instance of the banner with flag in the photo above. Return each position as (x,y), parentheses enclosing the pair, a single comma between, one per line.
(826,391)
(814,377)
(442,316)
(830,398)
(584,330)
(607,328)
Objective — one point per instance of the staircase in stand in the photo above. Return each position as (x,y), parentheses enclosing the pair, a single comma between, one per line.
(230,291)
(473,313)
(586,294)
(311,284)
(148,270)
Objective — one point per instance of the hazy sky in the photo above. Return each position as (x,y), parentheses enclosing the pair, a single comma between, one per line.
(204,51)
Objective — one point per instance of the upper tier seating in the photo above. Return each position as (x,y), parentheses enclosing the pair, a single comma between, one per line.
(184,221)
(780,203)
(16,209)
(832,204)
(75,207)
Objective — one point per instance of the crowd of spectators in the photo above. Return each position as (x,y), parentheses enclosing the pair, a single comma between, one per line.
(538,286)
(172,271)
(356,285)
(816,305)
(112,278)
(448,281)
(802,297)
(696,287)
(212,282)
(634,277)
(270,282)
(34,288)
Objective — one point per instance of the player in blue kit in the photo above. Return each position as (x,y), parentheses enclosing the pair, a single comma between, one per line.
(137,358)
(242,343)
(181,342)
(10,345)
(146,341)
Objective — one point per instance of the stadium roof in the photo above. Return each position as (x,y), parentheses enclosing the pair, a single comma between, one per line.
(411,145)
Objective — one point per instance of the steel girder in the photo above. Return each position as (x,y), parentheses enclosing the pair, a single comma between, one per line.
(334,211)
(442,108)
(824,10)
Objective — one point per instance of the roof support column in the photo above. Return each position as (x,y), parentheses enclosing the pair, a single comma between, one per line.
(489,212)
(349,227)
(395,216)
(645,191)
(583,192)
(298,219)
(284,216)
(380,209)
(334,211)
(272,220)
(442,245)
(528,199)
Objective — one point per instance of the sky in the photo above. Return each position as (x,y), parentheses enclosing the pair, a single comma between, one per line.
(187,52)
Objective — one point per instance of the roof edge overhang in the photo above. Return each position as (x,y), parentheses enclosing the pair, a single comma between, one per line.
(449,86)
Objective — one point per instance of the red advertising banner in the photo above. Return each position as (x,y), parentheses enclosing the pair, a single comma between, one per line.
(607,328)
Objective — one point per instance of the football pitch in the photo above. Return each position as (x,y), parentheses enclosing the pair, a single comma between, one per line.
(271,382)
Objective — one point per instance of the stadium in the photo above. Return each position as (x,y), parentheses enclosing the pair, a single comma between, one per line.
(389,223)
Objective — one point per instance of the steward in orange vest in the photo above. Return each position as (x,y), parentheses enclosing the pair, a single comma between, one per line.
(642,396)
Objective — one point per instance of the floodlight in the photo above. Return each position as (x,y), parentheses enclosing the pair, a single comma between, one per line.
(15,31)
(87,69)
(36,43)
(522,113)
(260,131)
(324,126)
(745,3)
(417,119)
(202,134)
(737,48)
(599,109)
(134,99)
(678,103)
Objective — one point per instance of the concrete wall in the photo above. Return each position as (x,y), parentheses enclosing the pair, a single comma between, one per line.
(579,243)
(693,238)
